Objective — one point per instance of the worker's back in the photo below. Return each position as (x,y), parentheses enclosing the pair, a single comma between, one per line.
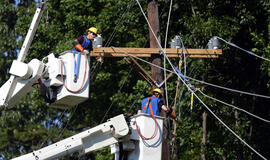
(150,102)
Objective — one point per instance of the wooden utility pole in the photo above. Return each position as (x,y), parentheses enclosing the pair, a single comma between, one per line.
(204,116)
(157,74)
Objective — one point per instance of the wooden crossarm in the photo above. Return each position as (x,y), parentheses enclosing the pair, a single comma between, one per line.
(146,52)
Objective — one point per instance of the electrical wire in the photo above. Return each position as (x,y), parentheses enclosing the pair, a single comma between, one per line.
(115,99)
(165,81)
(130,4)
(189,88)
(178,74)
(149,25)
(184,82)
(165,45)
(228,127)
(96,63)
(217,37)
(196,95)
(229,89)
(61,132)
(164,63)
(52,133)
(237,108)
(249,52)
(200,81)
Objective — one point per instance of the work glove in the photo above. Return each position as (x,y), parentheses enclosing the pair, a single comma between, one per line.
(79,47)
(171,114)
(85,51)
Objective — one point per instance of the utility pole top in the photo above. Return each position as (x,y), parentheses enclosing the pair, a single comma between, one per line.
(146,52)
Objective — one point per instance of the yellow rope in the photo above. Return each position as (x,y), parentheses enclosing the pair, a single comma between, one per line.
(191,102)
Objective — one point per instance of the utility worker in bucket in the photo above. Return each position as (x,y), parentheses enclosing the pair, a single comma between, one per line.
(83,44)
(154,104)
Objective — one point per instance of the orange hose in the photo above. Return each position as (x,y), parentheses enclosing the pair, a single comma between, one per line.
(84,77)
(156,127)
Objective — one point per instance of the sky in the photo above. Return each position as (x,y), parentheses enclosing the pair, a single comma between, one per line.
(17,1)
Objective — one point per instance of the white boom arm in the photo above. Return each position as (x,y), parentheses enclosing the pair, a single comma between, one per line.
(53,75)
(90,140)
(111,133)
(17,80)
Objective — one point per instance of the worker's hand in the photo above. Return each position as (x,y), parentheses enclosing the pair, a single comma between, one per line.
(171,114)
(78,47)
(85,51)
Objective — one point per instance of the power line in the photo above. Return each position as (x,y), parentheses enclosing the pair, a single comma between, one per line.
(217,37)
(61,132)
(185,82)
(229,89)
(52,133)
(115,99)
(240,109)
(164,66)
(228,127)
(119,22)
(189,88)
(93,70)
(249,52)
(165,44)
(210,84)
(213,85)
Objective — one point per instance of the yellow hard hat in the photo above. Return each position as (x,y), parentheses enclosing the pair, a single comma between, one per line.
(156,90)
(92,29)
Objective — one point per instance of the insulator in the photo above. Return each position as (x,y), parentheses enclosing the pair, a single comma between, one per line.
(97,41)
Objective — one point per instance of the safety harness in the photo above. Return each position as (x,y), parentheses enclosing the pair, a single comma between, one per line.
(148,104)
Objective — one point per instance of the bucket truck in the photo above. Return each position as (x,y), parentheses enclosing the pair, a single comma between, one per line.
(55,76)
(54,73)
(118,133)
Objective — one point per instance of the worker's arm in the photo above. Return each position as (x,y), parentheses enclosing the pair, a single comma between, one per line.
(165,108)
(77,43)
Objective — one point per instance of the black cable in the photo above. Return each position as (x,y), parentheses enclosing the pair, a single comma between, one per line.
(52,133)
(115,99)
(61,132)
